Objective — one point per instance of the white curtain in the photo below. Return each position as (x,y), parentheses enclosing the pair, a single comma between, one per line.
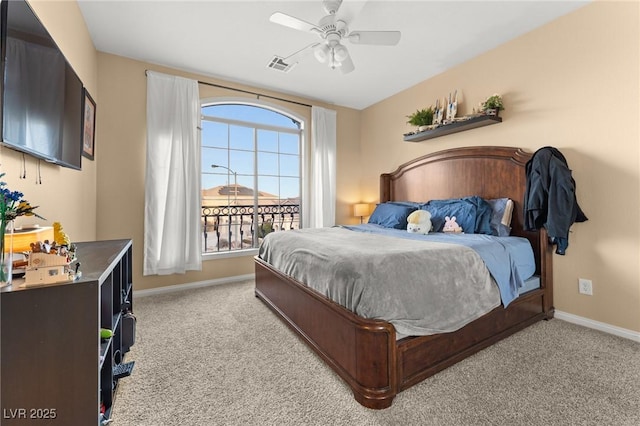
(172,241)
(322,197)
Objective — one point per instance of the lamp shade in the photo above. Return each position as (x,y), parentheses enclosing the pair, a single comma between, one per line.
(340,53)
(322,53)
(361,209)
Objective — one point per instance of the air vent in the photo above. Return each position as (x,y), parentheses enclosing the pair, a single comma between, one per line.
(278,64)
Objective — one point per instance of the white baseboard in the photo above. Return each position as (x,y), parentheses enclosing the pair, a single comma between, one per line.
(596,325)
(188,286)
(564,316)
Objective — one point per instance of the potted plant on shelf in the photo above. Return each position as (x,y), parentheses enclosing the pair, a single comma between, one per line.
(492,105)
(422,118)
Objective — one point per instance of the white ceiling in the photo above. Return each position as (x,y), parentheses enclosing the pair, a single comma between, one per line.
(234,40)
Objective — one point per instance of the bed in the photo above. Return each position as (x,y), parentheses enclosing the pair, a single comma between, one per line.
(367,354)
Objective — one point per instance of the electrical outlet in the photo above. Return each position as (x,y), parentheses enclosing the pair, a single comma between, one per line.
(585,286)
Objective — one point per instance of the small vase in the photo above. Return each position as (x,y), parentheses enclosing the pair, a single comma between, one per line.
(492,111)
(6,253)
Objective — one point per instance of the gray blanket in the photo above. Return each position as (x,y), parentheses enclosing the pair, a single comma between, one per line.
(420,287)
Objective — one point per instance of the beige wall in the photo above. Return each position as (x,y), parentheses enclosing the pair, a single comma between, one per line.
(572,84)
(122,117)
(65,195)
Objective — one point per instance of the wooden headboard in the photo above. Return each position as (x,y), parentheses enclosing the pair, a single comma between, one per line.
(486,171)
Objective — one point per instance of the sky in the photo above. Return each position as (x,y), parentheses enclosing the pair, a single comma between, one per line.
(232,146)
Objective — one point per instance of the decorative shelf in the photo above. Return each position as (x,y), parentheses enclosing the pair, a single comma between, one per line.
(459,126)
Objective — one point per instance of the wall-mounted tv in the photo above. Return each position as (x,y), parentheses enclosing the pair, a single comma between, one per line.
(40,94)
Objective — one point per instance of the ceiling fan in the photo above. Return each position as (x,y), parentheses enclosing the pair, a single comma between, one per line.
(333,32)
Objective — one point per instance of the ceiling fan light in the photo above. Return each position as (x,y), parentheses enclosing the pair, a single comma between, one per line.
(322,53)
(340,53)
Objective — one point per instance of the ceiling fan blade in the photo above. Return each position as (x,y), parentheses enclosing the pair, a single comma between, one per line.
(384,38)
(292,22)
(347,65)
(300,54)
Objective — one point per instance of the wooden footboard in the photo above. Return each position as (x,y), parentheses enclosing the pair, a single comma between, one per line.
(365,353)
(361,351)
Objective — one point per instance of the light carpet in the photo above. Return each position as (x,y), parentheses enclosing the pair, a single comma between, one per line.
(219,356)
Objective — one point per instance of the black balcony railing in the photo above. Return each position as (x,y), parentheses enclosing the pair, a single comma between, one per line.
(228,228)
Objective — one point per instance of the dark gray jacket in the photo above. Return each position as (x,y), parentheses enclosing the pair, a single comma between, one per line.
(550,197)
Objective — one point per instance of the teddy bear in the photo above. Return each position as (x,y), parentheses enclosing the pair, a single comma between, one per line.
(450,225)
(419,222)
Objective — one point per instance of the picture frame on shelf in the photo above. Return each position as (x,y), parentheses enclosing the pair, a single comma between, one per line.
(88,126)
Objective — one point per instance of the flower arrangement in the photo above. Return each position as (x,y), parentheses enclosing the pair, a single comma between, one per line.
(12,205)
(493,102)
(422,117)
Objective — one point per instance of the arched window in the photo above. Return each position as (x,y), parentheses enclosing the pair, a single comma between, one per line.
(251,174)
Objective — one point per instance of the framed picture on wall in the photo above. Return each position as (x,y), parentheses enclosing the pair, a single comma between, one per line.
(89,126)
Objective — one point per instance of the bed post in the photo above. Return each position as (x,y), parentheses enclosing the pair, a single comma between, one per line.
(546,272)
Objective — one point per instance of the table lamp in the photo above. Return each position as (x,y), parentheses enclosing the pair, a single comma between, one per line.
(360,210)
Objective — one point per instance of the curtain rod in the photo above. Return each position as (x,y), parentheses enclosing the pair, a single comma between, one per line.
(248,92)
(253,93)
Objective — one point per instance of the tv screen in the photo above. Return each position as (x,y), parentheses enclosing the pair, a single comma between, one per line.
(41,94)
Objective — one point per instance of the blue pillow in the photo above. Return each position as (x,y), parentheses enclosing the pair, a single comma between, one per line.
(439,209)
(406,203)
(391,215)
(473,214)
(501,211)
